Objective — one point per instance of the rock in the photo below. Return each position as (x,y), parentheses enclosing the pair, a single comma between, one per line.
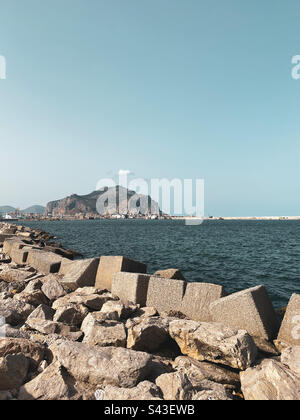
(102,366)
(290,327)
(265,347)
(201,371)
(51,288)
(146,312)
(43,312)
(72,315)
(170,273)
(215,343)
(44,262)
(32,294)
(88,296)
(6,396)
(131,287)
(81,273)
(212,392)
(165,294)
(270,381)
(34,352)
(54,383)
(48,327)
(14,311)
(175,386)
(12,275)
(144,391)
(197,299)
(123,310)
(13,371)
(109,266)
(103,333)
(148,335)
(249,310)
(290,357)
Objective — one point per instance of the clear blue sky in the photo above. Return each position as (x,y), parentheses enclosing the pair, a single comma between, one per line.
(164,88)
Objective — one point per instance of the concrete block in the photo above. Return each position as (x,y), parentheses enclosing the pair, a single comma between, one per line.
(132,287)
(10,243)
(197,299)
(19,256)
(44,262)
(165,294)
(4,237)
(109,266)
(290,328)
(80,273)
(249,310)
(170,273)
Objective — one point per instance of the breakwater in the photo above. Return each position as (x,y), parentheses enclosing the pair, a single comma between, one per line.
(150,336)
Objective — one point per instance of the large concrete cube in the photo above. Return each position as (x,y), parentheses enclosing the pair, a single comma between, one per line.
(44,262)
(249,310)
(81,273)
(197,300)
(19,255)
(290,328)
(132,287)
(165,294)
(9,243)
(109,266)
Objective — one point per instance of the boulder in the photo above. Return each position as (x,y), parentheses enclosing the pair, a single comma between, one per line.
(14,311)
(43,312)
(102,366)
(148,334)
(54,383)
(99,332)
(15,275)
(249,310)
(13,371)
(33,351)
(52,288)
(44,262)
(175,386)
(131,287)
(165,294)
(210,391)
(170,273)
(270,381)
(290,357)
(290,328)
(144,391)
(47,327)
(123,310)
(109,266)
(200,371)
(88,296)
(197,299)
(215,343)
(81,273)
(71,314)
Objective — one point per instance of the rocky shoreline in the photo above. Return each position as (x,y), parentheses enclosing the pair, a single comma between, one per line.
(82,329)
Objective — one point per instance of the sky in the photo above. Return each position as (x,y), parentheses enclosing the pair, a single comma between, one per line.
(195,89)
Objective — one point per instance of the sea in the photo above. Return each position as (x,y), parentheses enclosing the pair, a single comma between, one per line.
(235,254)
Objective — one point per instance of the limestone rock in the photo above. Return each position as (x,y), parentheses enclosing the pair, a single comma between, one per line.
(48,327)
(290,327)
(72,315)
(144,391)
(101,332)
(291,358)
(270,381)
(175,386)
(43,312)
(14,311)
(149,334)
(102,366)
(215,343)
(13,371)
(123,310)
(211,391)
(34,352)
(51,288)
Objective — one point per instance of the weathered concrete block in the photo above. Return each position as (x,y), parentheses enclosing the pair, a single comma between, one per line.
(8,241)
(109,266)
(81,273)
(44,262)
(249,310)
(197,300)
(165,294)
(19,256)
(290,327)
(131,286)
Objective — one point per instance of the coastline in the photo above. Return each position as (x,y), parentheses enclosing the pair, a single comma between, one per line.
(60,312)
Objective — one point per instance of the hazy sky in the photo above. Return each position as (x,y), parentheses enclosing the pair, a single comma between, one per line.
(163,88)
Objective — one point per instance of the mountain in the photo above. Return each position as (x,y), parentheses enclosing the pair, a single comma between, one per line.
(34,209)
(127,202)
(6,209)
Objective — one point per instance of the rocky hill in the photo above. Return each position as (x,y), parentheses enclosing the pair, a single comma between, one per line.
(128,202)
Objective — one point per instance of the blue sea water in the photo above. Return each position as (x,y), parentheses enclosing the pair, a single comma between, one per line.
(236,254)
